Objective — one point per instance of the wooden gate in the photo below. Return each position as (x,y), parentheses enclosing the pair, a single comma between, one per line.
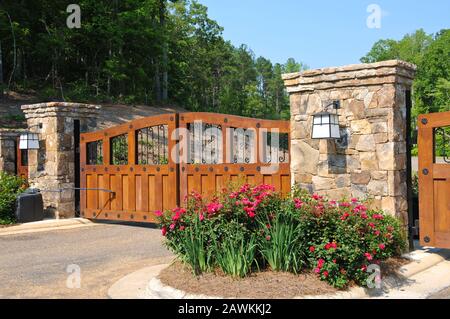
(434,179)
(21,161)
(130,171)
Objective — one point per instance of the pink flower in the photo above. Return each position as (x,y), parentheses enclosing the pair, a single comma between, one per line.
(164,231)
(364,268)
(354,200)
(382,246)
(268,238)
(333,203)
(345,216)
(317,270)
(201,217)
(377,233)
(372,225)
(368,256)
(364,216)
(251,214)
(312,249)
(298,203)
(214,207)
(378,216)
(172,227)
(345,204)
(158,213)
(333,245)
(182,228)
(316,197)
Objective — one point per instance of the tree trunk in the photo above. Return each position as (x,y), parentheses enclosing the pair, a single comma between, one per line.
(1,71)
(165,63)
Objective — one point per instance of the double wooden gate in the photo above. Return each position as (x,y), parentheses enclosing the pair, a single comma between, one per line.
(434,179)
(130,171)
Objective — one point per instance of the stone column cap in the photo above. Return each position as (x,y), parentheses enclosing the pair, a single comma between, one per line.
(365,74)
(60,109)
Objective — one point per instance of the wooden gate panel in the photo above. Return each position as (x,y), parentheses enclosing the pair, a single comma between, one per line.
(209,178)
(434,184)
(124,181)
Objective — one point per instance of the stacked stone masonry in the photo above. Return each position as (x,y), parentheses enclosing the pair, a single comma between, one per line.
(52,167)
(370,158)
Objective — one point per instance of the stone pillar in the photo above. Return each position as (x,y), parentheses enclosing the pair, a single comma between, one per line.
(52,167)
(370,158)
(8,150)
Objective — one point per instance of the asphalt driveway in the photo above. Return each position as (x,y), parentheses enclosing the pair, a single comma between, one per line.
(47,264)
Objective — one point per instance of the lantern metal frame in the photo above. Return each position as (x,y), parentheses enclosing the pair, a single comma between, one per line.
(30,140)
(328,119)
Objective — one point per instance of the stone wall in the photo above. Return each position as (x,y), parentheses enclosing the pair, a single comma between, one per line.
(370,158)
(8,150)
(52,167)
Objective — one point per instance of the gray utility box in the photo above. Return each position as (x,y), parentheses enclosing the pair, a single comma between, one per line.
(30,207)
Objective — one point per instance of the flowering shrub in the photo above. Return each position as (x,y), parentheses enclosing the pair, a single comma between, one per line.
(249,228)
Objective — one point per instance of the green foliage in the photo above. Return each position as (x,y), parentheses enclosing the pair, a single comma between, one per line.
(10,187)
(249,228)
(130,51)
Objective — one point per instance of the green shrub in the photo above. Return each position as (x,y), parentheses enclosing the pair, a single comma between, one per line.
(10,187)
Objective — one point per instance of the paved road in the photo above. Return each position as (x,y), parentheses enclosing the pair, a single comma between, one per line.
(35,265)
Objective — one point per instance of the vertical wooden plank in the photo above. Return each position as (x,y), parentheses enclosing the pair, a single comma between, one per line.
(158,194)
(139,199)
(131,192)
(152,205)
(167,197)
(285,185)
(442,206)
(125,192)
(92,195)
(144,191)
(426,187)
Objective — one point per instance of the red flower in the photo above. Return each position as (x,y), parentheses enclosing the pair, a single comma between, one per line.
(382,246)
(371,225)
(320,263)
(328,246)
(201,217)
(333,245)
(325,274)
(251,214)
(268,238)
(355,200)
(312,249)
(268,226)
(377,233)
(345,216)
(158,213)
(364,268)
(164,231)
(368,256)
(334,261)
(316,197)
(344,204)
(182,228)
(378,216)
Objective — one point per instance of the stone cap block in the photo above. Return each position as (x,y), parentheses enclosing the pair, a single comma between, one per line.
(60,109)
(365,74)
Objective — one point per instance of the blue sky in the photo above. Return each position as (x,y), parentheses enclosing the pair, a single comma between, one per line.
(322,33)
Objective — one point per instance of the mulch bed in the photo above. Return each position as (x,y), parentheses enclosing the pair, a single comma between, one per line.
(263,285)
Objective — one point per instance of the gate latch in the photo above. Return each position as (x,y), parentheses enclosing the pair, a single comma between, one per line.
(415,229)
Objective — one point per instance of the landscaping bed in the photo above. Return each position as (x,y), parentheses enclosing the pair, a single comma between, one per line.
(260,285)
(252,237)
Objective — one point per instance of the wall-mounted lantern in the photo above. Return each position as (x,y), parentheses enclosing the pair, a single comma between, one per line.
(29,140)
(326,124)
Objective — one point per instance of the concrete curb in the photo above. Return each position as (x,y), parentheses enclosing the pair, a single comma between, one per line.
(144,284)
(46,225)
